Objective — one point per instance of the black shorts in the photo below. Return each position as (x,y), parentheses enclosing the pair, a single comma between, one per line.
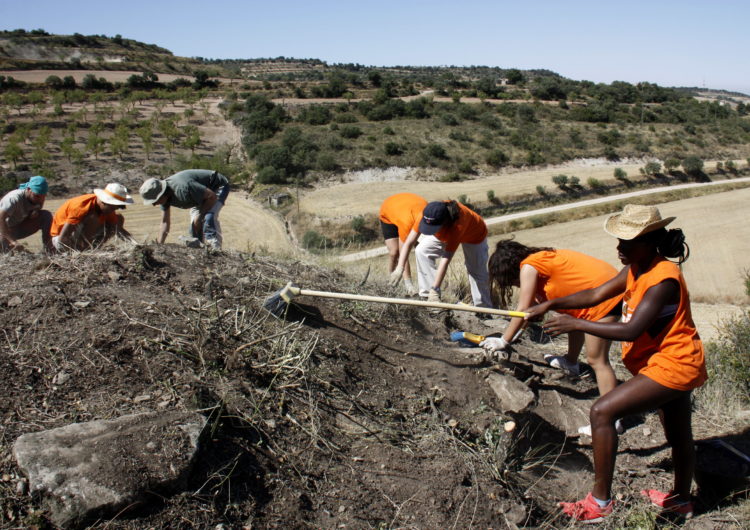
(389,231)
(615,311)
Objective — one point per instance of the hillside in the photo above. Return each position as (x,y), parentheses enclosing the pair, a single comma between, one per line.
(343,413)
(37,49)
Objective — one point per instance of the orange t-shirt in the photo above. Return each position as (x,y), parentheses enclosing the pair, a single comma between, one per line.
(563,272)
(403,210)
(468,228)
(670,352)
(74,210)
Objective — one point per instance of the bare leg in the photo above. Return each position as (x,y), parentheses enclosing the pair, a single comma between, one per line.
(575,345)
(597,355)
(637,395)
(675,418)
(392,245)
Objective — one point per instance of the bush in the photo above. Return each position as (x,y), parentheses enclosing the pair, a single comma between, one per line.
(652,168)
(491,196)
(496,158)
(621,174)
(727,361)
(393,149)
(692,165)
(437,151)
(313,240)
(595,184)
(541,190)
(350,131)
(561,181)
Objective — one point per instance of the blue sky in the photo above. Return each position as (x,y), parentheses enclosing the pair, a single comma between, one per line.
(672,43)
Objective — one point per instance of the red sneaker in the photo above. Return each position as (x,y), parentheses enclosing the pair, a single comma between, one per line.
(587,510)
(669,502)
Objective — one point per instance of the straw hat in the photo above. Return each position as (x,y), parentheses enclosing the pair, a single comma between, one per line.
(114,193)
(635,220)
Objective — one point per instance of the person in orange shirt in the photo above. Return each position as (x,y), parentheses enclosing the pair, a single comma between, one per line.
(90,220)
(400,215)
(661,348)
(445,225)
(543,274)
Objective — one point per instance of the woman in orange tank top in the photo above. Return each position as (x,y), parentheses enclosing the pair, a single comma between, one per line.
(545,273)
(661,348)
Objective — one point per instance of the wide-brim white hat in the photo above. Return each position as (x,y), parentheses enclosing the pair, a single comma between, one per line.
(635,220)
(114,193)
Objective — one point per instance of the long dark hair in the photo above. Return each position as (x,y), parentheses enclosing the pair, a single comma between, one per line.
(505,268)
(669,243)
(453,212)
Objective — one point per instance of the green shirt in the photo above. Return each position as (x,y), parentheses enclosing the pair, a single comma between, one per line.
(189,186)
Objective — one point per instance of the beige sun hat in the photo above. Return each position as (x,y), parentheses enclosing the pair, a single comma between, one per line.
(635,220)
(114,193)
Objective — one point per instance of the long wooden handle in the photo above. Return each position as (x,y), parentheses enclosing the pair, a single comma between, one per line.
(406,301)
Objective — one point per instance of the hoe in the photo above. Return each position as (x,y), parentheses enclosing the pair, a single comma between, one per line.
(277,303)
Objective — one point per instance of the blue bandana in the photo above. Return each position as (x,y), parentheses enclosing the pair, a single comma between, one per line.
(36,184)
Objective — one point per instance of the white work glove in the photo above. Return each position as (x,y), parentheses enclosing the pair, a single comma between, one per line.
(395,276)
(433,296)
(495,348)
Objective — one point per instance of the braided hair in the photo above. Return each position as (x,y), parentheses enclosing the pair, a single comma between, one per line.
(505,268)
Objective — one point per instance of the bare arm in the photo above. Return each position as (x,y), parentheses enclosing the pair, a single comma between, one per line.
(164,228)
(529,277)
(648,309)
(5,230)
(586,298)
(403,255)
(66,234)
(441,270)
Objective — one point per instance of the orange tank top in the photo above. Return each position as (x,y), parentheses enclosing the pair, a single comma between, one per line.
(563,272)
(670,352)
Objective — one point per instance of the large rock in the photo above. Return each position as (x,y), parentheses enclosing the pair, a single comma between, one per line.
(97,468)
(514,396)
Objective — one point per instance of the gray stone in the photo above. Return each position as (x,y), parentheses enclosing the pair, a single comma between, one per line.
(514,396)
(95,469)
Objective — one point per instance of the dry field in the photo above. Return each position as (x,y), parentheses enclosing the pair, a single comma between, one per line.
(356,198)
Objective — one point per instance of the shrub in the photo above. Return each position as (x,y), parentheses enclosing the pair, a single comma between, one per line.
(491,196)
(350,131)
(496,158)
(313,240)
(393,149)
(466,167)
(315,115)
(345,117)
(437,151)
(595,184)
(358,223)
(727,361)
(463,199)
(621,174)
(730,166)
(561,181)
(652,168)
(541,190)
(692,165)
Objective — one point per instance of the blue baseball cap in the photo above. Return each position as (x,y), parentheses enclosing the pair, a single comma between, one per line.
(36,184)
(433,217)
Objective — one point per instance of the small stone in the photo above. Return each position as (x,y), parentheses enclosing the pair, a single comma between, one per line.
(22,487)
(141,398)
(509,426)
(452,423)
(151,447)
(5,478)
(163,404)
(646,431)
(114,276)
(13,302)
(61,378)
(342,509)
(82,304)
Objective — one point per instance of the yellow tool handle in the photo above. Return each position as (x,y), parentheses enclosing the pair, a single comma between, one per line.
(406,301)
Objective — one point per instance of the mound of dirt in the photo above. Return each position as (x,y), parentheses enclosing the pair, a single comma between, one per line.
(342,414)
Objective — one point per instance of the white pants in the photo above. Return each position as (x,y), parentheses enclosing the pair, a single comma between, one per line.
(430,250)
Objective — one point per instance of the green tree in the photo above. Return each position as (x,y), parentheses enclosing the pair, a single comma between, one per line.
(693,165)
(192,138)
(652,168)
(13,153)
(146,133)
(621,174)
(670,164)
